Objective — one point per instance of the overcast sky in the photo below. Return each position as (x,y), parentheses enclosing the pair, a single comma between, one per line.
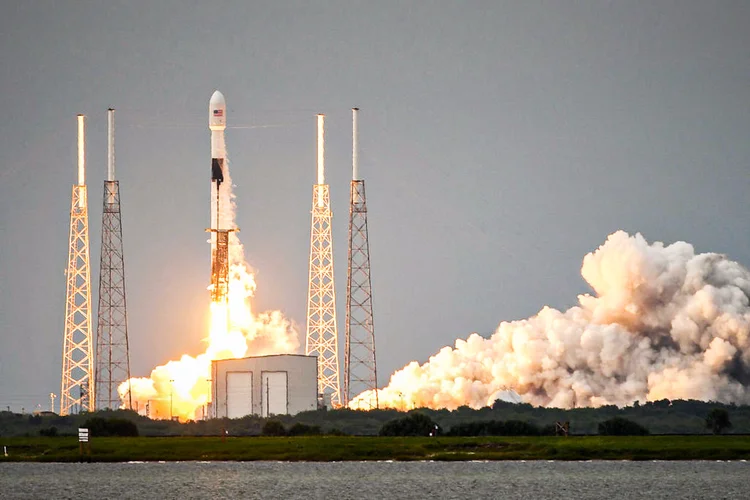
(500,142)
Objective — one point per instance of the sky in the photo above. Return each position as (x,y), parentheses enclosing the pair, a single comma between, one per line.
(500,143)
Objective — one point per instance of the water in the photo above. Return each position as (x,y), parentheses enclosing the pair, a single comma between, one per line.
(390,480)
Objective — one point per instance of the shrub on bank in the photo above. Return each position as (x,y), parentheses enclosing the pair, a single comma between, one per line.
(103,427)
(621,427)
(300,429)
(274,428)
(51,432)
(415,424)
(718,420)
(335,431)
(495,428)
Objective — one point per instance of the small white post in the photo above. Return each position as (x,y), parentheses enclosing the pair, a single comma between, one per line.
(81,152)
(321,150)
(110,144)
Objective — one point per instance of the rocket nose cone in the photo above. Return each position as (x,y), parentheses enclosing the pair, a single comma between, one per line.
(217,100)
(217,112)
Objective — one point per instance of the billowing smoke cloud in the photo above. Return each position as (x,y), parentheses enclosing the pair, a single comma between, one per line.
(663,323)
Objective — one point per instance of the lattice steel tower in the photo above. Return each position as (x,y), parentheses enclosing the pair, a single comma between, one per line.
(76,393)
(360,371)
(322,334)
(112,353)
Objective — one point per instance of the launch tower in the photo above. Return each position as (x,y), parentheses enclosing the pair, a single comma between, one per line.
(322,334)
(112,354)
(360,372)
(77,364)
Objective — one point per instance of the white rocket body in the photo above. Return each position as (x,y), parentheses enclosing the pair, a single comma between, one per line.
(217,123)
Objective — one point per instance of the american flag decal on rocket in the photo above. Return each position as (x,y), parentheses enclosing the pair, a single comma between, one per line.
(218,112)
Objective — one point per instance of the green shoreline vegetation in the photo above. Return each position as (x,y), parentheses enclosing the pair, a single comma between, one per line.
(367,448)
(658,417)
(660,430)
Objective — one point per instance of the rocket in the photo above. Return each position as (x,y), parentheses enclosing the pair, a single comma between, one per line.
(217,123)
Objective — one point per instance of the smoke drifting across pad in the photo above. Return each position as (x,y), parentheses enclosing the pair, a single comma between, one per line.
(663,323)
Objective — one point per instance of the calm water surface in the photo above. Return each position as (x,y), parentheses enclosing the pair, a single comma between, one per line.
(389,480)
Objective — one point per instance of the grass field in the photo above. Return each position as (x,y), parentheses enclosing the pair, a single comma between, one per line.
(346,448)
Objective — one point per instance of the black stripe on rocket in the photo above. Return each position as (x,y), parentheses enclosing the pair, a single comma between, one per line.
(217,170)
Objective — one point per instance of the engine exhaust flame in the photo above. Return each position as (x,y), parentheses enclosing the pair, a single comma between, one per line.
(663,323)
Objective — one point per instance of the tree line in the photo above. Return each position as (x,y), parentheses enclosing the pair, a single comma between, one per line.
(659,417)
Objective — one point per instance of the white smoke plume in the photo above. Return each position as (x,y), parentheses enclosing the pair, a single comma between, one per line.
(664,323)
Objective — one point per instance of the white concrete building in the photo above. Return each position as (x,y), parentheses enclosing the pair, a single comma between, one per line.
(282,384)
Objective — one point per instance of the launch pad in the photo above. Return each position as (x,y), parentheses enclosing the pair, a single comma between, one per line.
(227,263)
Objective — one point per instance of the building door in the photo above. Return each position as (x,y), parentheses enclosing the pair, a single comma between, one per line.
(274,393)
(239,394)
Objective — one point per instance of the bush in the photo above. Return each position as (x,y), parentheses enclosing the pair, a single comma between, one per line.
(416,424)
(519,428)
(103,427)
(273,428)
(548,430)
(51,432)
(300,429)
(495,428)
(469,429)
(718,420)
(621,427)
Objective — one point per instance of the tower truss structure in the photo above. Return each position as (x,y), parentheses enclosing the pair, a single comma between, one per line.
(220,267)
(76,392)
(322,333)
(112,349)
(360,367)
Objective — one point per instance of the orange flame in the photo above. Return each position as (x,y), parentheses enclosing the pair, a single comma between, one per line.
(182,388)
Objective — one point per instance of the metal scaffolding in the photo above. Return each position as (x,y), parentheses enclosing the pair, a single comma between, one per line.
(112,350)
(322,334)
(77,362)
(220,266)
(360,368)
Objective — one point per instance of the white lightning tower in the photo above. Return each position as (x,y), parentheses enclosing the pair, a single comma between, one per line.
(322,334)
(360,369)
(76,393)
(112,353)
